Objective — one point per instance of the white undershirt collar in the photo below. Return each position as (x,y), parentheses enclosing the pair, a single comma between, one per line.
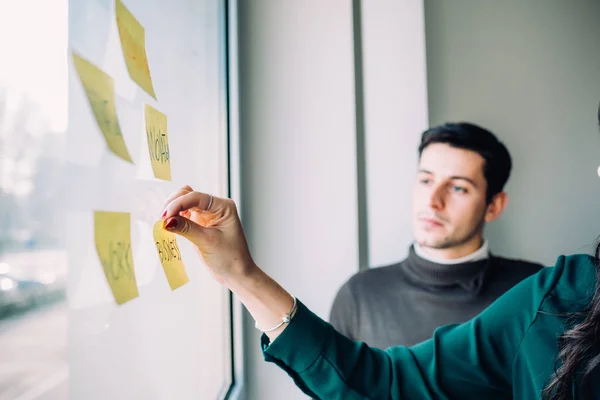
(481,254)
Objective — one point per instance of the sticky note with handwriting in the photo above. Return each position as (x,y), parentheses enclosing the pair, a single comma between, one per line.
(158,142)
(133,42)
(170,256)
(112,234)
(99,88)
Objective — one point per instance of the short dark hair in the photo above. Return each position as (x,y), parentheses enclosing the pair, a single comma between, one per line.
(463,135)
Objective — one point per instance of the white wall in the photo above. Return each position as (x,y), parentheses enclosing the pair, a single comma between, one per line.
(298,157)
(300,152)
(395,93)
(530,72)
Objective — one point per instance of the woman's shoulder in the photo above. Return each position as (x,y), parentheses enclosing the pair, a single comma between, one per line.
(573,279)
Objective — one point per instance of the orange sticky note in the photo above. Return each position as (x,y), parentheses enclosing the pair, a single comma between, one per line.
(170,256)
(112,234)
(99,88)
(133,42)
(158,142)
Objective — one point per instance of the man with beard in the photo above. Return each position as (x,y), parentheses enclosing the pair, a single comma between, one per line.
(449,275)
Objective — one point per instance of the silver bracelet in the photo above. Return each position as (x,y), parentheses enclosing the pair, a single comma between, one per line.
(284,320)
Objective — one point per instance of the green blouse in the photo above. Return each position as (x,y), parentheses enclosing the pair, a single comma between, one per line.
(508,351)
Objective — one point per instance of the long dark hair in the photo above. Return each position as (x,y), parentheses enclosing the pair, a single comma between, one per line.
(579,347)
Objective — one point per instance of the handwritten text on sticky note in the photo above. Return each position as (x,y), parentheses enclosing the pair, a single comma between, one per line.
(112,234)
(170,256)
(133,42)
(158,143)
(99,88)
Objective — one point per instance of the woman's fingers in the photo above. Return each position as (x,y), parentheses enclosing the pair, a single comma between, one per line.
(193,200)
(185,214)
(178,193)
(217,234)
(186,228)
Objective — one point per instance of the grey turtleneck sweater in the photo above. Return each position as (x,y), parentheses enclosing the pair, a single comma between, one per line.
(402,304)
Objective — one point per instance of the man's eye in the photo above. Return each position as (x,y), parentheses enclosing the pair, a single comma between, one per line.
(425,181)
(459,189)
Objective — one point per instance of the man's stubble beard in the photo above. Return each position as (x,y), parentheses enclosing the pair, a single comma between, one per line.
(449,242)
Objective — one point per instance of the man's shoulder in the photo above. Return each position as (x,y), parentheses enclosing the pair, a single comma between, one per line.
(375,276)
(518,267)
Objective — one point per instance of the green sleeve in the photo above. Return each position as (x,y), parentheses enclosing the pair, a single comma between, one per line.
(468,361)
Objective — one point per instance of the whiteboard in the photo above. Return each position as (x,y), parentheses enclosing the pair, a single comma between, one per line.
(164,344)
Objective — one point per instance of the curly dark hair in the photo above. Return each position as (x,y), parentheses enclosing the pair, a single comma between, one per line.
(464,135)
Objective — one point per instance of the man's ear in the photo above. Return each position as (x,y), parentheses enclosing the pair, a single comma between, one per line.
(496,207)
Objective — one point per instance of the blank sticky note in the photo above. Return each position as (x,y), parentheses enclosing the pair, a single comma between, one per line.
(158,142)
(170,256)
(112,234)
(133,42)
(99,88)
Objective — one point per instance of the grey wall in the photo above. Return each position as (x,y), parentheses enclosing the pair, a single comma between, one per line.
(530,72)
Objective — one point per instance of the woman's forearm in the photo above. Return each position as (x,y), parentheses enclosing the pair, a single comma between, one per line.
(264,298)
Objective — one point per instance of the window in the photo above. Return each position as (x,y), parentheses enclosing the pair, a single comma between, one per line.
(33,262)
(60,170)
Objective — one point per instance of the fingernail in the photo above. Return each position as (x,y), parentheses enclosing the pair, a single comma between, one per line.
(171,224)
(164,214)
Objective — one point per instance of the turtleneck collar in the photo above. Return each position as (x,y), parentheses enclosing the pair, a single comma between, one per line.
(467,274)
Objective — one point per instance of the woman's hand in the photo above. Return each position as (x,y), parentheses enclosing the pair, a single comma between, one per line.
(214,228)
(213,225)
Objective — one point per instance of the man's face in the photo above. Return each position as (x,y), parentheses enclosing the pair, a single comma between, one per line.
(449,199)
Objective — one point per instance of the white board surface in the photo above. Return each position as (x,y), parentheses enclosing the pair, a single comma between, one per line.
(164,344)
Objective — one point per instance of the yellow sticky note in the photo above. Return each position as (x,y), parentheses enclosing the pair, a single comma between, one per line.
(133,42)
(170,256)
(112,233)
(100,91)
(158,143)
